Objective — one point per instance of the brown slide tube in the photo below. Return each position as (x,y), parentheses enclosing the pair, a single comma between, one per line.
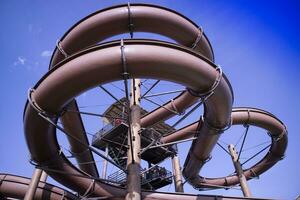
(240,116)
(112,21)
(13,186)
(183,133)
(102,64)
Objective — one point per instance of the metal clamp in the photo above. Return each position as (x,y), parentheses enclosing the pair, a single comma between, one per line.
(175,108)
(89,189)
(277,137)
(130,23)
(254,175)
(33,162)
(125,74)
(44,165)
(248,118)
(79,153)
(60,151)
(3,179)
(212,88)
(207,159)
(226,182)
(218,130)
(198,39)
(279,157)
(37,108)
(60,48)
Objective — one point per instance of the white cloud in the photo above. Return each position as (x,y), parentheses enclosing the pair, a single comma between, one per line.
(24,63)
(46,53)
(20,61)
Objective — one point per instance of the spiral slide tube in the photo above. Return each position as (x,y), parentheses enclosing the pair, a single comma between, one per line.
(102,64)
(13,186)
(123,19)
(74,70)
(241,116)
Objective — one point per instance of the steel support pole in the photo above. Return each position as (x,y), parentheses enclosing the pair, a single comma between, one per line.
(33,184)
(44,176)
(239,171)
(177,174)
(104,169)
(133,161)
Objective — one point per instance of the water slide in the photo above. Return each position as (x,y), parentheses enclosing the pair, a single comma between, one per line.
(240,116)
(16,187)
(116,20)
(13,186)
(80,63)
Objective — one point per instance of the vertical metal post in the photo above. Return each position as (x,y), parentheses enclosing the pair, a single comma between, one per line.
(104,169)
(239,171)
(133,161)
(177,174)
(33,184)
(44,176)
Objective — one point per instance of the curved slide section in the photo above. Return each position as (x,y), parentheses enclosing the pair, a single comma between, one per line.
(240,116)
(102,64)
(77,66)
(12,186)
(116,20)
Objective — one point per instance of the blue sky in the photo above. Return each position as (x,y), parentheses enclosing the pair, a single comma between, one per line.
(256,42)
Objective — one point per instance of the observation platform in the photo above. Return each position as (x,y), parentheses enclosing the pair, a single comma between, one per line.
(115,135)
(151,179)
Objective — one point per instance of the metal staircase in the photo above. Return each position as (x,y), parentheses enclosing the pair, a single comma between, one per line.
(118,155)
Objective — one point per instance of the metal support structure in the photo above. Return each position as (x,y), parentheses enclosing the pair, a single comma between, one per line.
(187,114)
(239,171)
(33,184)
(110,94)
(256,154)
(91,148)
(163,93)
(177,174)
(133,161)
(171,143)
(100,65)
(244,139)
(104,169)
(161,106)
(156,82)
(44,176)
